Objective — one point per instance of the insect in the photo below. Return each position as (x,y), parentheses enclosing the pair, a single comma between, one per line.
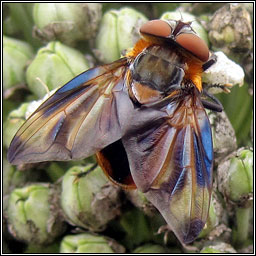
(144,117)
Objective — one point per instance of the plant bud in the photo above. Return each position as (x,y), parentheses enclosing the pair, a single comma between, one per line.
(88,199)
(231,30)
(235,176)
(13,122)
(54,65)
(118,31)
(66,22)
(33,214)
(21,16)
(235,182)
(16,55)
(89,243)
(13,178)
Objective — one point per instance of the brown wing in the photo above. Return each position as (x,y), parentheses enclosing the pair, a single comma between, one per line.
(171,161)
(79,119)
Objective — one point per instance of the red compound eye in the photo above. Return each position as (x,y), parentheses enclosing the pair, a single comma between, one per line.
(195,45)
(156,28)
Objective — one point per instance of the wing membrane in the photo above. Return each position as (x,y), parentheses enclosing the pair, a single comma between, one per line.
(172,164)
(78,120)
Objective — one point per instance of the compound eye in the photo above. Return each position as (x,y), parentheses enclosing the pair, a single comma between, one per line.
(195,45)
(156,28)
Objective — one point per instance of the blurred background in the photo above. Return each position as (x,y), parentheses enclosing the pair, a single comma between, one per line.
(51,207)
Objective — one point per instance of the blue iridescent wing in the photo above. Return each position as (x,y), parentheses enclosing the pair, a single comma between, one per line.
(78,120)
(172,164)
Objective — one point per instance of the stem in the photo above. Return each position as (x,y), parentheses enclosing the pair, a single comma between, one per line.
(242,222)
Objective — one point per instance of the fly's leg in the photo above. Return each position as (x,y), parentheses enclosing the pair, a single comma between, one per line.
(82,174)
(215,104)
(212,60)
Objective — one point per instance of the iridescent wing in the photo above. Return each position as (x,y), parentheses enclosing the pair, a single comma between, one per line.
(79,119)
(171,162)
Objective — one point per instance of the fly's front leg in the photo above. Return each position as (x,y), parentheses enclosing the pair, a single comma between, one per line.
(215,104)
(224,87)
(212,60)
(82,174)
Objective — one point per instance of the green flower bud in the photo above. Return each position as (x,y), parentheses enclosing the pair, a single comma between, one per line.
(88,199)
(118,31)
(16,55)
(187,17)
(151,248)
(13,122)
(54,65)
(21,16)
(66,22)
(235,182)
(235,176)
(33,215)
(218,247)
(88,243)
(245,174)
(224,33)
(13,178)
